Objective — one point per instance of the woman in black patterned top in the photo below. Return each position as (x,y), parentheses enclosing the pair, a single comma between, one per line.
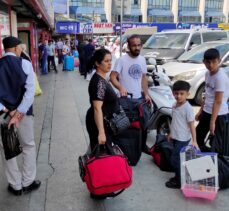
(103,100)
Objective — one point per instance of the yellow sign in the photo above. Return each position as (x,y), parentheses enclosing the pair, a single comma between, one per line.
(223,26)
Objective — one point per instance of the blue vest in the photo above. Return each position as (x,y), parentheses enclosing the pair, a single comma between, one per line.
(12,82)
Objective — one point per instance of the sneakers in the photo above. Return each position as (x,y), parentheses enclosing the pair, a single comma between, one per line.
(173,183)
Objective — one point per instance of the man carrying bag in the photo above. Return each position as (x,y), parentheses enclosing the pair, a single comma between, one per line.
(16,99)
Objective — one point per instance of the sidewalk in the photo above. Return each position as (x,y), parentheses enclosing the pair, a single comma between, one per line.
(61,137)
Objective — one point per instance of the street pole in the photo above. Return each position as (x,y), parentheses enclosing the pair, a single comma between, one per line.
(93,16)
(121,16)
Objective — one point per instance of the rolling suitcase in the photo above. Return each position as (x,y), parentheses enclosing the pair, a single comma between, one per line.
(130,143)
(69,63)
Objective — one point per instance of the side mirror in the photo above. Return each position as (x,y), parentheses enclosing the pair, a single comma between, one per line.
(152,61)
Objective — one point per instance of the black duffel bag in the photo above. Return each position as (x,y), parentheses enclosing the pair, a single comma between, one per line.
(10,141)
(161,152)
(223,170)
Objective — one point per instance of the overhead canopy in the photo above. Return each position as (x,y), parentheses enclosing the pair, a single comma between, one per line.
(214,14)
(189,13)
(160,12)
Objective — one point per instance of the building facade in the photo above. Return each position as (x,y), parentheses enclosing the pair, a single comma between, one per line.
(158,11)
(29,20)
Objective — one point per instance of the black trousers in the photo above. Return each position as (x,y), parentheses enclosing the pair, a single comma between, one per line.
(51,59)
(93,131)
(219,142)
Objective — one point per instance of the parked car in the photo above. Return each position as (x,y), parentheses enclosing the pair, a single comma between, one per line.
(168,45)
(190,67)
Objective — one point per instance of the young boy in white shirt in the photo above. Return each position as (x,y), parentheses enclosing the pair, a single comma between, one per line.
(212,115)
(182,129)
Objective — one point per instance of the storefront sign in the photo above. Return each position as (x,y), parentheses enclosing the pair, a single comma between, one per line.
(67,27)
(102,28)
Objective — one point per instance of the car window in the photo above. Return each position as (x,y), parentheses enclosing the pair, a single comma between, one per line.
(196,39)
(196,54)
(167,40)
(213,36)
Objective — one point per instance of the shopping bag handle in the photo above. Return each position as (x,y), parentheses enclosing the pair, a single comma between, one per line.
(107,149)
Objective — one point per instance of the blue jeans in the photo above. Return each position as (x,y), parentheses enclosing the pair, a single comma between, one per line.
(44,65)
(175,157)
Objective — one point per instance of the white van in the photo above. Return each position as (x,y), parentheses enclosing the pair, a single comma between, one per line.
(168,45)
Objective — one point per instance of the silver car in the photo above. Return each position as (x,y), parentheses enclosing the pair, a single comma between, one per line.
(190,67)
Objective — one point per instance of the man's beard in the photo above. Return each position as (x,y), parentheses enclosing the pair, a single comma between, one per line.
(134,53)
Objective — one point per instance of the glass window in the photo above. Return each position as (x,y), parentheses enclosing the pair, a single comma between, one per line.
(160,19)
(160,4)
(212,36)
(196,54)
(214,5)
(213,19)
(188,19)
(190,5)
(195,40)
(167,40)
(88,3)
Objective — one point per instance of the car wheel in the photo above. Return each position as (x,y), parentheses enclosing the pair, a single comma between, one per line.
(200,95)
(163,126)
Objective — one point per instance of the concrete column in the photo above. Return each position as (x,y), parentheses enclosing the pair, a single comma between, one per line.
(202,10)
(226,10)
(13,24)
(107,9)
(175,7)
(144,7)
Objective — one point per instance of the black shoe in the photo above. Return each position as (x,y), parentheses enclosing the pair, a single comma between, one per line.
(35,185)
(173,184)
(13,191)
(146,150)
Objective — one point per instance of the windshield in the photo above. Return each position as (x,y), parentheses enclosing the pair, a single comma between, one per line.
(196,54)
(167,40)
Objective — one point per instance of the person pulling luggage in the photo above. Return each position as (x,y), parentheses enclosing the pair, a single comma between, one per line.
(129,76)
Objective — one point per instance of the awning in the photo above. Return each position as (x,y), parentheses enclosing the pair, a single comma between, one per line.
(189,13)
(214,14)
(90,10)
(160,13)
(135,12)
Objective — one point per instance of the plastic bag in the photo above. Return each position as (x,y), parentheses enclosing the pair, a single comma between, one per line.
(10,141)
(38,90)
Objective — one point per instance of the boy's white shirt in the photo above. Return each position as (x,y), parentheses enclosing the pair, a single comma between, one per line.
(218,82)
(181,116)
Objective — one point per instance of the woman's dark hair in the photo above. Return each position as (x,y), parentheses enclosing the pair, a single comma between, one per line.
(181,86)
(211,54)
(98,57)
